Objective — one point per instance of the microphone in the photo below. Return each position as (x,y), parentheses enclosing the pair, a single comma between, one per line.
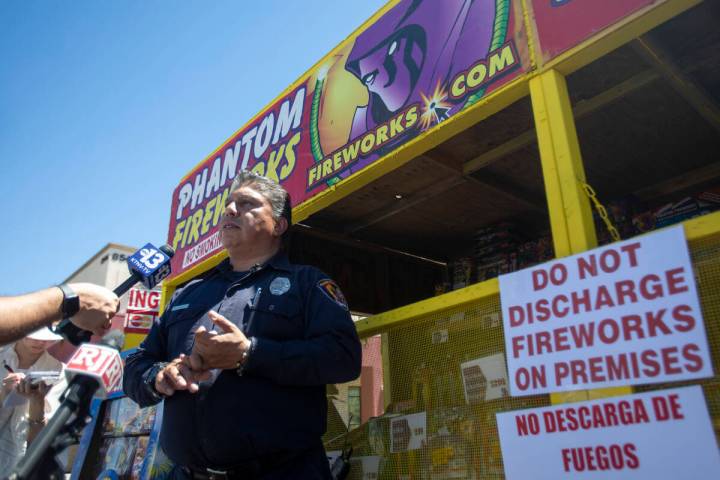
(148,265)
(94,370)
(100,363)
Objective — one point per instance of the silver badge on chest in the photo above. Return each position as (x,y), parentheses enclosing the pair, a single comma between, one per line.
(279,285)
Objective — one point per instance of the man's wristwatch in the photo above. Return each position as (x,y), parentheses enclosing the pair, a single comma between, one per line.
(240,367)
(71,301)
(150,380)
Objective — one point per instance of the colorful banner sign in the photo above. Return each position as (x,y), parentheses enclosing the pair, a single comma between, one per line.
(563,24)
(624,314)
(665,434)
(420,63)
(142,310)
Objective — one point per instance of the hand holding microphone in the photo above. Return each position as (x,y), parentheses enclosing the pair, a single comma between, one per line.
(93,370)
(97,305)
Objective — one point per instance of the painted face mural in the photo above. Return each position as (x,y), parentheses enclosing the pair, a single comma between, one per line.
(409,54)
(391,70)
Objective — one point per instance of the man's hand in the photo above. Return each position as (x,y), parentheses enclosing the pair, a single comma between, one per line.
(218,350)
(98,306)
(177,375)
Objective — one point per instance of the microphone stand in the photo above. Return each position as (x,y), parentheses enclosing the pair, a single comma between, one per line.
(63,430)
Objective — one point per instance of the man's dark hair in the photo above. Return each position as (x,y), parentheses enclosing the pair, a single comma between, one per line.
(274,193)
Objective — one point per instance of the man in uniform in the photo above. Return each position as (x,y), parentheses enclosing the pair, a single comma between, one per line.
(242,356)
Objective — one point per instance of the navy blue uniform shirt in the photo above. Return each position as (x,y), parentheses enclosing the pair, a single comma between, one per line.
(303,339)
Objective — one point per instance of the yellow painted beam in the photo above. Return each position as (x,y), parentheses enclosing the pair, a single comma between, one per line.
(383,321)
(571,220)
(702,227)
(531,33)
(133,340)
(166,294)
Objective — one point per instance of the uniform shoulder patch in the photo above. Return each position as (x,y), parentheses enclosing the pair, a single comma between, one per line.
(333,292)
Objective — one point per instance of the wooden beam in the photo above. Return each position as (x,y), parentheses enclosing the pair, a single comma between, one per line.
(406,202)
(302,229)
(497,186)
(501,151)
(581,109)
(503,187)
(401,316)
(693,93)
(682,182)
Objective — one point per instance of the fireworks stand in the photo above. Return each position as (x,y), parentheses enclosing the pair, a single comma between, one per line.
(447,152)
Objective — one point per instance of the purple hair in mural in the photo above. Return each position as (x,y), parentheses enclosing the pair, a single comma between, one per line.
(411,51)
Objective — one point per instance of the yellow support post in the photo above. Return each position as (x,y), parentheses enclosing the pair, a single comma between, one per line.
(571,219)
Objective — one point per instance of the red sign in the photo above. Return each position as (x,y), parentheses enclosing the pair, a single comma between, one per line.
(562,24)
(413,68)
(143,308)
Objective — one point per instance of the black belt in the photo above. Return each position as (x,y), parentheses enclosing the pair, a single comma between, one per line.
(252,469)
(210,474)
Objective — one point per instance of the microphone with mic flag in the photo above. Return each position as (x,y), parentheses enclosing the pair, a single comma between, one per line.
(94,370)
(148,265)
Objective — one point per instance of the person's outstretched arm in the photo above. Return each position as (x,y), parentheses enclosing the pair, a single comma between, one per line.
(23,314)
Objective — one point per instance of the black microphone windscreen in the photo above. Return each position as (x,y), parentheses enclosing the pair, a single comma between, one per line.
(168,250)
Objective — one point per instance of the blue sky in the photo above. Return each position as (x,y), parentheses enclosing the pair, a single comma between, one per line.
(106,105)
